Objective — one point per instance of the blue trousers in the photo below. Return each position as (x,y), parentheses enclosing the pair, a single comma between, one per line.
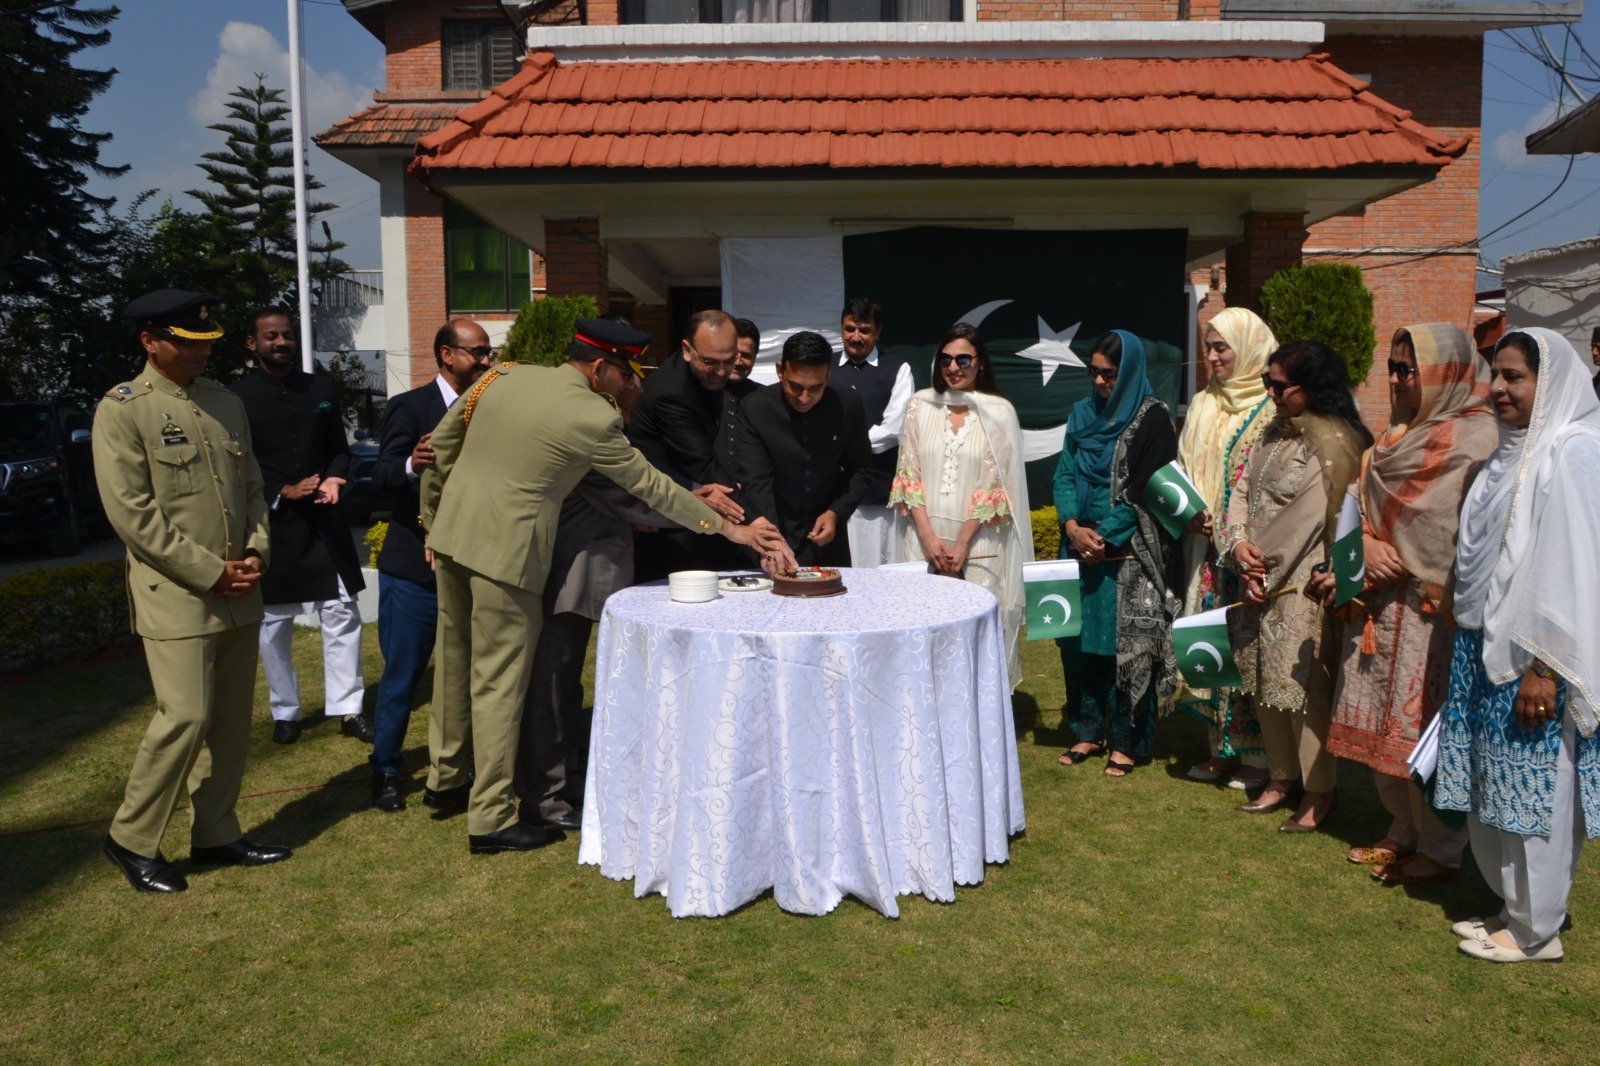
(408,612)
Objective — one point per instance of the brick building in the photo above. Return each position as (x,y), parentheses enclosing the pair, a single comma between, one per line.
(634,146)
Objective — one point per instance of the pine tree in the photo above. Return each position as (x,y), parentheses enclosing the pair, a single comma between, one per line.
(49,237)
(250,205)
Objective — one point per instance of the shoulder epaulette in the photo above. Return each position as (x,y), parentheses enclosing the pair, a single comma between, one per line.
(122,393)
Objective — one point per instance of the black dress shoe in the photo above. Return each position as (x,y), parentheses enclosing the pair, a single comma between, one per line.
(285,732)
(453,800)
(518,836)
(358,726)
(386,793)
(572,821)
(146,875)
(240,853)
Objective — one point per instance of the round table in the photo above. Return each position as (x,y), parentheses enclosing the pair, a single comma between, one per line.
(859,744)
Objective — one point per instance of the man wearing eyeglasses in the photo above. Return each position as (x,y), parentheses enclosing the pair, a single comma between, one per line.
(408,604)
(298,430)
(684,427)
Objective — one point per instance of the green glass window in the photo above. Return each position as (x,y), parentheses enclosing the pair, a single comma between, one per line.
(485,270)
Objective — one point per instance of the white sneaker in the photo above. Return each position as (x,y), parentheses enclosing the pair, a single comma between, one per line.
(1549,951)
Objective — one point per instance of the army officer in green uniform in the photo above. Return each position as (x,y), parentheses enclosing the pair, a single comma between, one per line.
(181,488)
(505,455)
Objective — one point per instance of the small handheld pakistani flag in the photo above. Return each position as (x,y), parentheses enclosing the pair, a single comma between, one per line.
(1172,498)
(1053,599)
(1204,653)
(1349,553)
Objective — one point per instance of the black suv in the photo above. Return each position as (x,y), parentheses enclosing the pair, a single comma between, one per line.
(47,487)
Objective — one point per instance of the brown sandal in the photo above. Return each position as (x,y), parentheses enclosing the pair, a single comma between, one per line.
(1382,853)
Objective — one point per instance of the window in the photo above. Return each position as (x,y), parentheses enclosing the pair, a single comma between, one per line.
(711,11)
(478,54)
(484,269)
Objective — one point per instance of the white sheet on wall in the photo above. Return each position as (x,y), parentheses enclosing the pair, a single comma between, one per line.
(783,285)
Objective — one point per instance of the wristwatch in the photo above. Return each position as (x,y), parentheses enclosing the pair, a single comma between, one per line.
(1541,670)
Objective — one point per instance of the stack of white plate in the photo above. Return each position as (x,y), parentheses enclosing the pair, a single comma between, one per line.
(692,586)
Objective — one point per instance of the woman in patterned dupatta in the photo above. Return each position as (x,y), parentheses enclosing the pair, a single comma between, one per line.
(1224,424)
(1280,525)
(1395,669)
(1518,748)
(1121,667)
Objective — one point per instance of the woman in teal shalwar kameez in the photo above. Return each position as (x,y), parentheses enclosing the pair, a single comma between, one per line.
(1122,664)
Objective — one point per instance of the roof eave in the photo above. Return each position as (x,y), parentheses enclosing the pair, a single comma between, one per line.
(1576,131)
(1409,17)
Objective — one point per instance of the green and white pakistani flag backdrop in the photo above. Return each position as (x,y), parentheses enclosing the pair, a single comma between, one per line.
(1349,553)
(1041,297)
(1172,498)
(1053,598)
(1204,651)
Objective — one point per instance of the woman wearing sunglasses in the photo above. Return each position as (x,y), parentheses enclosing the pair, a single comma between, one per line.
(1394,672)
(1518,749)
(1224,423)
(1121,664)
(1280,525)
(959,489)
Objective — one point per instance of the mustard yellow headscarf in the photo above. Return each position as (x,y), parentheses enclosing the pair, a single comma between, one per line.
(1216,414)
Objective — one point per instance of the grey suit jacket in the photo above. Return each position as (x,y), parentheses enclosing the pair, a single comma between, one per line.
(593,554)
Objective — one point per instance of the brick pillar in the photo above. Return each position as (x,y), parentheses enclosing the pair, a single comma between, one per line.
(1272,241)
(575,261)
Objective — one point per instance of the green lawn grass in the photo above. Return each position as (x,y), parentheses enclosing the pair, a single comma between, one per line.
(1140,920)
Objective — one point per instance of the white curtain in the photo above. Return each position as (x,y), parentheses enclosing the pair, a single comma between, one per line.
(783,285)
(766,10)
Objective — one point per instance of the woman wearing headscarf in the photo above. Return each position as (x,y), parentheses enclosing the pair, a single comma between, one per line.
(959,489)
(1224,423)
(1517,749)
(1394,671)
(1280,525)
(1121,665)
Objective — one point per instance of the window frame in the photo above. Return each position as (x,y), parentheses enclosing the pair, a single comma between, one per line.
(509,245)
(485,31)
(629,12)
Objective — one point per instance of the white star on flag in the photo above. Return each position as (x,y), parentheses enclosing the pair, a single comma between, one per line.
(1054,349)
(1049,619)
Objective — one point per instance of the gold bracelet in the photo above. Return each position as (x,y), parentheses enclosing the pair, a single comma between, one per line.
(1541,670)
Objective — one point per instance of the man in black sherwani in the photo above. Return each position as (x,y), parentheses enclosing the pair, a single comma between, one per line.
(803,454)
(298,431)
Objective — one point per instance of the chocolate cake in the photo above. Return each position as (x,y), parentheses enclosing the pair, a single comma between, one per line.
(809,581)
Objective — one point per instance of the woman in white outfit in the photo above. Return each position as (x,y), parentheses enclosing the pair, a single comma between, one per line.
(1518,750)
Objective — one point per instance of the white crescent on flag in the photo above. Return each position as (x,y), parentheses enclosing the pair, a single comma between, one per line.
(1209,649)
(1183,500)
(1065,606)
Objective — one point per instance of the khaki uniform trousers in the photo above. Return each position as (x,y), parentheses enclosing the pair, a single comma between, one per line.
(482,659)
(205,688)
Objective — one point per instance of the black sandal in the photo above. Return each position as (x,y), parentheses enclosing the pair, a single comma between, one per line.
(1120,769)
(1073,758)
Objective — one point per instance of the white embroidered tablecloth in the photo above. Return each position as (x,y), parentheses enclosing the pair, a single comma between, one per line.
(858,744)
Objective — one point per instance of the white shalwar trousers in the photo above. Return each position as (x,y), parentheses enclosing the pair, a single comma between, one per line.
(871,536)
(343,684)
(1534,874)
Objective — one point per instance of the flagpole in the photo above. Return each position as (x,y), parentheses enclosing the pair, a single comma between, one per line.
(1270,596)
(297,132)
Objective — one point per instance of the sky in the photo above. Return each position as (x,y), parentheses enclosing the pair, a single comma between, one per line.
(178,59)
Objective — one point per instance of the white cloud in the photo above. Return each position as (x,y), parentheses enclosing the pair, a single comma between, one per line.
(245,50)
(1510,146)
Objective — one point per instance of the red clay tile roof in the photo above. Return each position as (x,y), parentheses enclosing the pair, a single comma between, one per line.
(389,124)
(1207,114)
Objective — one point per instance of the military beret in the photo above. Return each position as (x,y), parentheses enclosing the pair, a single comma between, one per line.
(190,315)
(617,342)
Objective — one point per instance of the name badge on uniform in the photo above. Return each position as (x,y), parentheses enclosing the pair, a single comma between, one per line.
(173,434)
